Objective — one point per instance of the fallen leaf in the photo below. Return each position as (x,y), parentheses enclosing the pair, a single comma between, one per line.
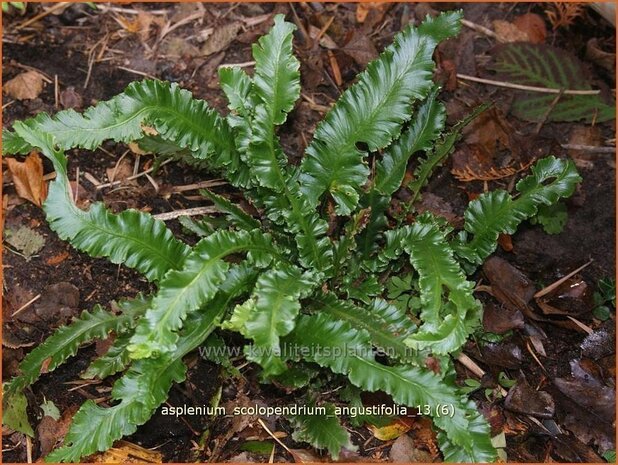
(25,86)
(404,450)
(46,434)
(58,301)
(69,98)
(600,400)
(573,297)
(28,178)
(500,319)
(360,47)
(305,456)
(502,354)
(533,26)
(127,452)
(508,32)
(179,47)
(325,40)
(121,171)
(25,240)
(391,431)
(523,399)
(14,414)
(509,285)
(221,38)
(371,12)
(57,259)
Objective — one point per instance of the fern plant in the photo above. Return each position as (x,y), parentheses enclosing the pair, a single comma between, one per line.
(303,296)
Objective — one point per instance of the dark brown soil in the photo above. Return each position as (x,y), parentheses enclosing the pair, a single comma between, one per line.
(59,46)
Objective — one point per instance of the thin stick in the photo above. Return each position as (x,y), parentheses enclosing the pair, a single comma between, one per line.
(546,290)
(198,185)
(245,64)
(28,449)
(479,28)
(130,178)
(26,305)
(589,148)
(187,212)
(134,71)
(551,107)
(41,15)
(56,92)
(270,433)
(583,326)
(510,85)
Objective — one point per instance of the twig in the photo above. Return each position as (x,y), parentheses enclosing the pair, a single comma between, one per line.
(271,434)
(26,305)
(187,212)
(510,85)
(113,175)
(551,107)
(583,326)
(41,15)
(479,28)
(546,290)
(245,64)
(129,11)
(28,449)
(56,92)
(130,178)
(589,148)
(134,71)
(198,185)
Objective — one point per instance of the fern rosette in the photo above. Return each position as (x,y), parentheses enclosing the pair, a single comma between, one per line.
(285,277)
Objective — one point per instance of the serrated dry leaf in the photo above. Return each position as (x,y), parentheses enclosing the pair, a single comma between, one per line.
(25,86)
(28,178)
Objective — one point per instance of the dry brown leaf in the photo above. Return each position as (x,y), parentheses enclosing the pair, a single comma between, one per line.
(533,25)
(121,171)
(28,178)
(374,10)
(507,32)
(25,86)
(360,48)
(221,38)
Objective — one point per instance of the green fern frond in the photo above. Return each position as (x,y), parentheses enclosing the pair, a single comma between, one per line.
(497,212)
(234,213)
(145,385)
(426,125)
(385,324)
(131,238)
(439,153)
(276,306)
(348,351)
(445,326)
(372,111)
(184,291)
(322,431)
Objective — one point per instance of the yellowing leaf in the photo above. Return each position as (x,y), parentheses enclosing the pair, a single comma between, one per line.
(391,431)
(28,178)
